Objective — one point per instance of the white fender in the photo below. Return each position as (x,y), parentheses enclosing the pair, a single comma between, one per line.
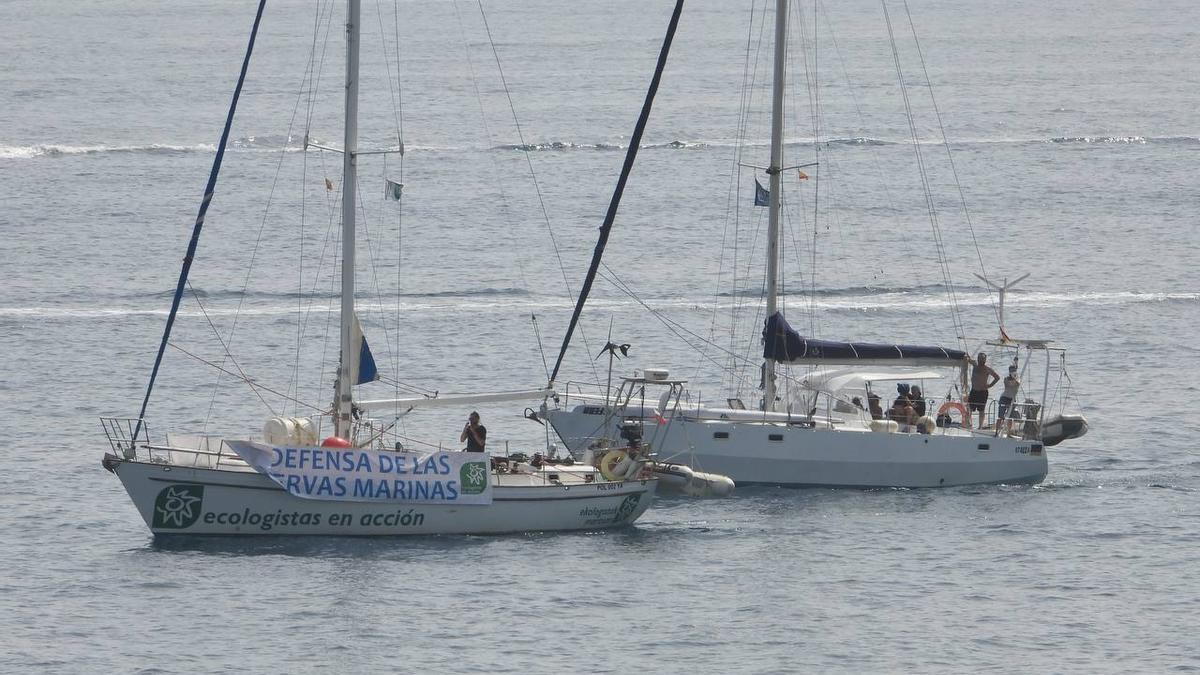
(885,426)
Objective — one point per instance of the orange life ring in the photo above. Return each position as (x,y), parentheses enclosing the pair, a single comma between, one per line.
(962,411)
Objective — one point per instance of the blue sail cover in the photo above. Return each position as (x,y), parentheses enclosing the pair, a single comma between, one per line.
(367,371)
(362,369)
(782,343)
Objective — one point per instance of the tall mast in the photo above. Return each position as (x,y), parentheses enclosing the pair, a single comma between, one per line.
(349,354)
(775,171)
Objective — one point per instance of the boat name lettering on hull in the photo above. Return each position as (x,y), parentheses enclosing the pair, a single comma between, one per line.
(611,514)
(179,507)
(268,521)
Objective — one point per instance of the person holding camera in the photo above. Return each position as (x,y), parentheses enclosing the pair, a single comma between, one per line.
(474,433)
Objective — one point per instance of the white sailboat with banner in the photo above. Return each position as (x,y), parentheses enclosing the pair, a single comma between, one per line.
(352,483)
(830,431)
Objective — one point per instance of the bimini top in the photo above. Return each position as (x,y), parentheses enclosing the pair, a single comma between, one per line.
(782,343)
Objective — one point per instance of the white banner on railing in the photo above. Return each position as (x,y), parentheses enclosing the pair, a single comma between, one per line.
(362,475)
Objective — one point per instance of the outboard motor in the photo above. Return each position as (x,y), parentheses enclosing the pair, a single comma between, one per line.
(631,431)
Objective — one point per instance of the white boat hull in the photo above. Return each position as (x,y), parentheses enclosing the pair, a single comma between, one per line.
(792,455)
(184,500)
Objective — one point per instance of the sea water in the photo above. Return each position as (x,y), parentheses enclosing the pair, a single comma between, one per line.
(1075,139)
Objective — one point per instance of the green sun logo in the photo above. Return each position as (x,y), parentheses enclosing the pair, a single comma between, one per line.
(474,478)
(178,506)
(627,507)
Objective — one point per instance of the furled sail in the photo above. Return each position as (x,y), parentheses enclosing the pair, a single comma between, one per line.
(362,369)
(785,345)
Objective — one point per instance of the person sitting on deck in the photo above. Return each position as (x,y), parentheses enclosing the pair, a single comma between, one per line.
(918,401)
(874,407)
(902,410)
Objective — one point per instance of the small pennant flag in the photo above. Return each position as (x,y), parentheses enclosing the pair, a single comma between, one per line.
(762,196)
(329,185)
(393,190)
(801,175)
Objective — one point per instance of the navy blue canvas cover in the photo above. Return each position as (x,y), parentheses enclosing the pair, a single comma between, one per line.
(782,343)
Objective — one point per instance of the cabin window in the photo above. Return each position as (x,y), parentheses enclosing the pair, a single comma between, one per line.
(985,446)
(775,437)
(593,410)
(720,434)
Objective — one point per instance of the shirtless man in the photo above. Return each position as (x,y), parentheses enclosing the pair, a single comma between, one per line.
(982,379)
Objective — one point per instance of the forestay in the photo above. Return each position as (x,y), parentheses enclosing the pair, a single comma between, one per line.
(365,475)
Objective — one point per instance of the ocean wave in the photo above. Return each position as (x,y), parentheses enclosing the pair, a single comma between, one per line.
(276,143)
(257,143)
(249,144)
(33,151)
(852,291)
(561,146)
(1138,140)
(927,298)
(218,295)
(510,300)
(1128,140)
(852,142)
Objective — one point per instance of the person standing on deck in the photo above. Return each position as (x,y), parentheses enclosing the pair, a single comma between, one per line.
(983,378)
(474,433)
(1011,385)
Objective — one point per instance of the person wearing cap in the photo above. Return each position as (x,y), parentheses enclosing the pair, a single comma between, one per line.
(902,410)
(1004,404)
(874,407)
(474,433)
(918,401)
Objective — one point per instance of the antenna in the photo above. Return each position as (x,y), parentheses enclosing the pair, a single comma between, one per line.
(1002,289)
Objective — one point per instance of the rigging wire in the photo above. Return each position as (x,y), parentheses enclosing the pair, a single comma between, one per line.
(209,190)
(950,156)
(732,196)
(675,327)
(242,376)
(498,175)
(538,334)
(740,298)
(533,176)
(396,95)
(862,120)
(311,64)
(323,17)
(812,80)
(226,356)
(931,207)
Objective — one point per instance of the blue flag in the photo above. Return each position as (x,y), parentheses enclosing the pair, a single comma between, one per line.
(762,196)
